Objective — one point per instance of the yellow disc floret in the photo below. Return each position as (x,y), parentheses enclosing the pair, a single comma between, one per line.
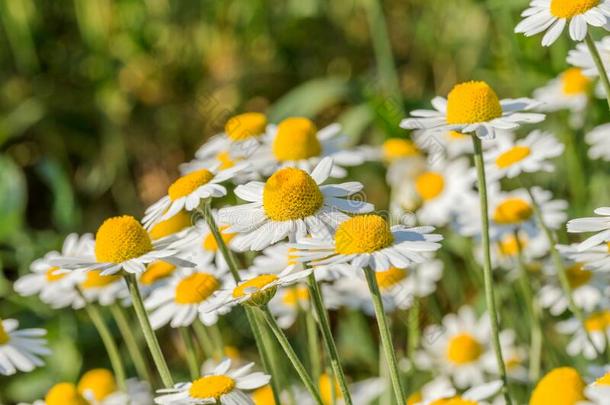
(561,386)
(512,156)
(99,382)
(292,296)
(257,290)
(291,194)
(178,222)
(472,102)
(509,246)
(603,380)
(463,349)
(53,275)
(578,275)
(64,394)
(120,239)
(398,148)
(209,243)
(95,279)
(454,401)
(296,139)
(196,288)
(188,183)
(598,321)
(244,126)
(391,277)
(211,386)
(327,385)
(225,160)
(512,211)
(363,234)
(156,271)
(263,396)
(571,8)
(429,185)
(415,398)
(573,82)
(4,336)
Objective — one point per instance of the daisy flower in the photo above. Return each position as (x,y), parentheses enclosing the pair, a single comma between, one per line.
(156,274)
(569,91)
(297,142)
(596,325)
(505,250)
(99,387)
(224,386)
(562,385)
(21,350)
(291,203)
(596,258)
(53,285)
(121,243)
(580,57)
(188,191)
(600,224)
(368,240)
(553,15)
(528,155)
(598,140)
(473,107)
(173,228)
(444,393)
(392,150)
(460,348)
(105,290)
(180,301)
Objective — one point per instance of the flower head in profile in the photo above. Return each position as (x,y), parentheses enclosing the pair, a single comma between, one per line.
(552,16)
(562,385)
(588,338)
(21,349)
(599,390)
(223,385)
(599,224)
(570,91)
(581,58)
(473,107)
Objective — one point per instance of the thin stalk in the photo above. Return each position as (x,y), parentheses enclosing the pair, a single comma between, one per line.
(189,349)
(603,75)
(149,334)
(109,343)
(139,362)
(224,250)
(267,352)
(413,329)
(313,345)
(292,356)
(386,336)
(327,336)
(487,271)
(205,342)
(216,337)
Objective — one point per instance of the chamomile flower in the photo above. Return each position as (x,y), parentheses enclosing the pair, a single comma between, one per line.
(180,301)
(528,155)
(21,349)
(224,386)
(99,387)
(121,243)
(368,240)
(596,325)
(560,386)
(54,286)
(291,204)
(598,140)
(553,15)
(156,274)
(297,142)
(473,107)
(173,228)
(392,150)
(505,250)
(580,57)
(600,224)
(596,258)
(187,192)
(445,394)
(570,91)
(461,348)
(598,392)
(105,290)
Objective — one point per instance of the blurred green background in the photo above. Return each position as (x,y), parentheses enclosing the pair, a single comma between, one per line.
(100,101)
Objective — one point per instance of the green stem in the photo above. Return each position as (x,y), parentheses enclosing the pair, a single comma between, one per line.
(329,342)
(224,250)
(313,344)
(191,356)
(603,75)
(267,352)
(216,337)
(139,362)
(386,337)
(208,348)
(149,334)
(292,356)
(487,270)
(109,343)
(413,338)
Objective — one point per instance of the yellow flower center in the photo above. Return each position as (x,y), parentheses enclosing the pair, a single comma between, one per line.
(52,274)
(326,389)
(429,185)
(196,288)
(509,246)
(225,159)
(64,394)
(232,352)
(263,396)
(253,286)
(571,8)
(209,243)
(95,279)
(453,401)
(363,234)
(178,222)
(561,386)
(4,336)
(463,348)
(244,126)
(294,295)
(512,156)
(389,278)
(598,322)
(120,239)
(100,382)
(157,271)
(578,275)
(574,82)
(457,136)
(211,386)
(415,398)
(512,211)
(188,183)
(291,194)
(397,148)
(604,380)
(472,102)
(296,139)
